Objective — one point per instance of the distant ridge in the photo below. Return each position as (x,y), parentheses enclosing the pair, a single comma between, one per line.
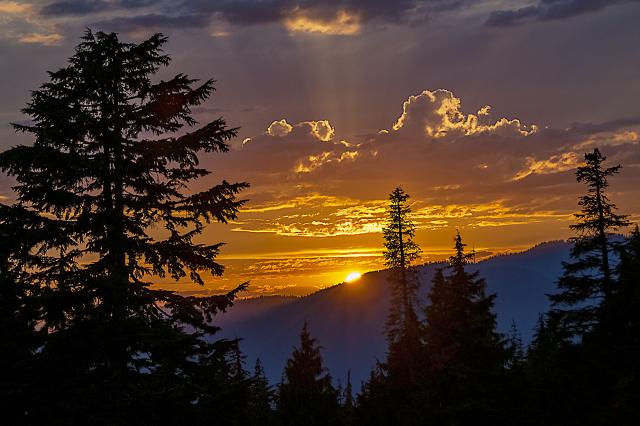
(348,319)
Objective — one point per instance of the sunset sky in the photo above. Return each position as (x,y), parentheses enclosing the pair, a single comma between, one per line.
(480,109)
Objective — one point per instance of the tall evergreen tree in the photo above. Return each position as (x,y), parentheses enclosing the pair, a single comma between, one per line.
(465,353)
(403,336)
(262,396)
(110,166)
(306,395)
(616,339)
(588,282)
(19,334)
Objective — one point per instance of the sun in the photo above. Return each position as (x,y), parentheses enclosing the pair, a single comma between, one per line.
(352,277)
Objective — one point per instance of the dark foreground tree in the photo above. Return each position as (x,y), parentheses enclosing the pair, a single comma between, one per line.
(109,172)
(262,397)
(19,334)
(588,283)
(465,354)
(306,395)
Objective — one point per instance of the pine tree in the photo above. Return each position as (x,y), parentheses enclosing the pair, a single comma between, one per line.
(588,281)
(616,339)
(109,168)
(306,395)
(466,355)
(347,415)
(402,325)
(262,396)
(19,337)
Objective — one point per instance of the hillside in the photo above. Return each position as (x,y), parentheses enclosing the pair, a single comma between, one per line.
(348,319)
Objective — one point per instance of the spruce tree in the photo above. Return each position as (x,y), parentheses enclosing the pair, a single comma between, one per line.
(262,396)
(306,395)
(110,171)
(403,336)
(588,282)
(19,334)
(465,353)
(616,339)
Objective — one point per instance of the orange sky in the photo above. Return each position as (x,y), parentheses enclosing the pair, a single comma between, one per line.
(317,198)
(481,112)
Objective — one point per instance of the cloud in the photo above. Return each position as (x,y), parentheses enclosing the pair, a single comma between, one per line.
(548,10)
(153,21)
(343,23)
(77,7)
(462,169)
(279,128)
(554,164)
(323,17)
(438,114)
(44,39)
(22,23)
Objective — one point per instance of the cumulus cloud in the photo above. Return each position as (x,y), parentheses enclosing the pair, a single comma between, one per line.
(438,114)
(279,128)
(462,169)
(548,10)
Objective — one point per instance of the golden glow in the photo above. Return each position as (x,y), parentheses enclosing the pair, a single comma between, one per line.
(344,23)
(14,8)
(353,277)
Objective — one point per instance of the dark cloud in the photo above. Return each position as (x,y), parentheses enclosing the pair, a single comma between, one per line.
(77,7)
(153,21)
(548,10)
(251,12)
(87,7)
(248,12)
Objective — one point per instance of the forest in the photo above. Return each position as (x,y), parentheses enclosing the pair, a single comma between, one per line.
(103,207)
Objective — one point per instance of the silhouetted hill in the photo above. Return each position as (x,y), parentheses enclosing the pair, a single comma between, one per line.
(348,319)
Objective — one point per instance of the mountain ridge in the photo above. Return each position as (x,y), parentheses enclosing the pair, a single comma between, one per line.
(348,318)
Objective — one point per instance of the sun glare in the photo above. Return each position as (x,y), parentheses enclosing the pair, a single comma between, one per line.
(352,277)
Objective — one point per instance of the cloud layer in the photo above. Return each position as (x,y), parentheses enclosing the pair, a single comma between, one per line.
(463,169)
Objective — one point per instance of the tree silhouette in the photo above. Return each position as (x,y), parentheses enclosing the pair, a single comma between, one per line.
(109,171)
(587,281)
(466,355)
(403,336)
(19,334)
(262,396)
(306,395)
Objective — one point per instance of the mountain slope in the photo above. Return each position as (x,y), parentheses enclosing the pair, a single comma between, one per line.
(348,319)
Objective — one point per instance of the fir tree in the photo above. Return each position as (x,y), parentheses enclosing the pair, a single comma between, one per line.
(588,283)
(460,324)
(465,354)
(260,404)
(110,164)
(402,325)
(348,408)
(306,395)
(19,338)
(615,340)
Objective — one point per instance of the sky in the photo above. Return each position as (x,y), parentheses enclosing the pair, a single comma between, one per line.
(480,109)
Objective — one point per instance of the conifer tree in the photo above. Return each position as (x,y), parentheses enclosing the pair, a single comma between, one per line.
(19,338)
(588,281)
(111,165)
(465,353)
(260,404)
(616,339)
(348,408)
(306,395)
(403,336)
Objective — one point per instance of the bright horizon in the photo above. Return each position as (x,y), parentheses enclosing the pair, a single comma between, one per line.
(483,125)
